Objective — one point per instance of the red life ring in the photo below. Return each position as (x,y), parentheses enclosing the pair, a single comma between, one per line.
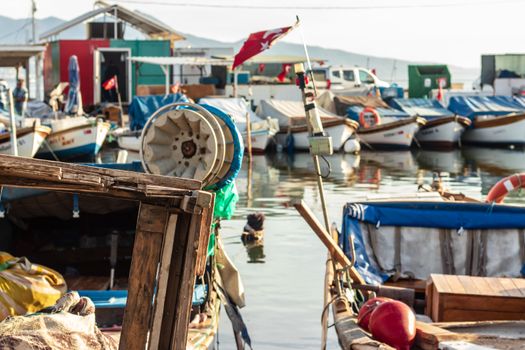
(500,190)
(362,120)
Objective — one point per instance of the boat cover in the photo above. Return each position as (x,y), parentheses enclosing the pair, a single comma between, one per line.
(142,107)
(414,239)
(390,113)
(422,107)
(342,103)
(289,112)
(474,106)
(237,108)
(520,100)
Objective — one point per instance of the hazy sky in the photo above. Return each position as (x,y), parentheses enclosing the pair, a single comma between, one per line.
(448,31)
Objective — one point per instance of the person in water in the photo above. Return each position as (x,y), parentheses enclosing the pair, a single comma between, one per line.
(20,97)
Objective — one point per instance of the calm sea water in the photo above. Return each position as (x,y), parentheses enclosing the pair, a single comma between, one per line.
(284,278)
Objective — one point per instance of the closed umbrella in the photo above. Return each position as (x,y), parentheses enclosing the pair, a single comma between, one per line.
(74,98)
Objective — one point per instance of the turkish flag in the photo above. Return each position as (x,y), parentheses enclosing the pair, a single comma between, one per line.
(258,42)
(110,83)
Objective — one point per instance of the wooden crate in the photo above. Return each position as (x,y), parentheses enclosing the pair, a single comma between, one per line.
(451,298)
(169,250)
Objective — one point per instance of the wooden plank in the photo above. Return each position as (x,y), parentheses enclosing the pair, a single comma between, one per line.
(488,303)
(455,285)
(511,288)
(520,284)
(174,280)
(164,268)
(187,283)
(333,248)
(457,315)
(469,285)
(145,258)
(441,283)
(204,239)
(29,167)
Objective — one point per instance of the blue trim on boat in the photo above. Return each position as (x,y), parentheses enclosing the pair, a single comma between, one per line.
(90,149)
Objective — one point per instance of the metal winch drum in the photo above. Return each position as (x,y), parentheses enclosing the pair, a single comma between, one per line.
(192,141)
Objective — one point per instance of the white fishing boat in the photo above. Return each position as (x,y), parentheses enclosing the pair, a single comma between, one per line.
(443,129)
(496,120)
(379,125)
(397,133)
(75,137)
(29,140)
(128,140)
(293,129)
(262,129)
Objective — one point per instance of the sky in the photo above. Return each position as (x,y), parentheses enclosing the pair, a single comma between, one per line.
(444,31)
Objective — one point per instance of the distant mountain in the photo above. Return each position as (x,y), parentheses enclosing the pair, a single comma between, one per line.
(389,69)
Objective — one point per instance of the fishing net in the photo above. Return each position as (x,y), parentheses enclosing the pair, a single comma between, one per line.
(27,287)
(70,324)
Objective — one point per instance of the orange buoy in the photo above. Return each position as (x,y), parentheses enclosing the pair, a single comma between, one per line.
(393,323)
(362,120)
(500,190)
(363,318)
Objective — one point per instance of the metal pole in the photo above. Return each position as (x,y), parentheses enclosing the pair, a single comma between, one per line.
(14,141)
(235,83)
(249,135)
(37,57)
(115,26)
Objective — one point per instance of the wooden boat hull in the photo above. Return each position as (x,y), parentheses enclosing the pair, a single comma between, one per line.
(442,132)
(398,134)
(84,140)
(29,141)
(340,132)
(130,141)
(499,131)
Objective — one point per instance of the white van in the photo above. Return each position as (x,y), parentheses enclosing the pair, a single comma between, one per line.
(346,77)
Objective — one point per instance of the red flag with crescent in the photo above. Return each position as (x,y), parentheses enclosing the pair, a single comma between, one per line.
(258,42)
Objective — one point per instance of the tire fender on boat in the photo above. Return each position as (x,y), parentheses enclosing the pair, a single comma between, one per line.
(362,120)
(500,190)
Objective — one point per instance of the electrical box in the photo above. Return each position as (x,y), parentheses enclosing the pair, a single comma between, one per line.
(321,145)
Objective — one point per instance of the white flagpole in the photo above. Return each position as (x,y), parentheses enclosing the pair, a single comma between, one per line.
(308,62)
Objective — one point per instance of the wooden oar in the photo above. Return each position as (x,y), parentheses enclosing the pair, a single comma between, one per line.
(336,252)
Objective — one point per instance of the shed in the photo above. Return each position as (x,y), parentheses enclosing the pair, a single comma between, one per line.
(17,56)
(105,53)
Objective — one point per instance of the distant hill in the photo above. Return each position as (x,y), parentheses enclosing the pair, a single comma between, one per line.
(388,69)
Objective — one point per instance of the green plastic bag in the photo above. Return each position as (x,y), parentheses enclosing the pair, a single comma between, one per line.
(225,203)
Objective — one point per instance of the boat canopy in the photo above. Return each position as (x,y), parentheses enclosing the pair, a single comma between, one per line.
(289,112)
(142,107)
(421,107)
(474,106)
(237,108)
(418,238)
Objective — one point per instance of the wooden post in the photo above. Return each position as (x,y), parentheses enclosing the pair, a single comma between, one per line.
(14,140)
(151,224)
(248,135)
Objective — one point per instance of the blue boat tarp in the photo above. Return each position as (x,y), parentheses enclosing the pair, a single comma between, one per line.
(354,111)
(142,107)
(474,106)
(520,100)
(422,107)
(360,218)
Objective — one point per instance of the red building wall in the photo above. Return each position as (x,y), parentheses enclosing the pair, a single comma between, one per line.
(84,49)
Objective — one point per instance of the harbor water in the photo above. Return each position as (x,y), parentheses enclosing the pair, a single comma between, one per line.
(284,278)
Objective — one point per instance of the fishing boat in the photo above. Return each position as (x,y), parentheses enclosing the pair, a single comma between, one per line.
(74,138)
(439,254)
(443,129)
(379,125)
(293,131)
(496,120)
(262,130)
(29,140)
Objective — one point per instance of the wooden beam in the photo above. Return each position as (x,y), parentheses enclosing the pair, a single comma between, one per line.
(164,269)
(204,239)
(335,251)
(151,224)
(186,285)
(95,177)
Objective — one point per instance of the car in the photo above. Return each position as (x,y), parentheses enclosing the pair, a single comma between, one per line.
(345,77)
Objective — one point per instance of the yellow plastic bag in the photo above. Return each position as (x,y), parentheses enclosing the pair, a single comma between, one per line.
(26,287)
